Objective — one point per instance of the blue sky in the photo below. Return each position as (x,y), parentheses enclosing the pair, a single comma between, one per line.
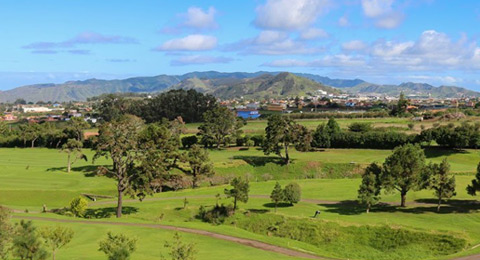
(382,41)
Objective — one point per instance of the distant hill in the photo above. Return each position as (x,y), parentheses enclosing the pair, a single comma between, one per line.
(259,84)
(266,86)
(410,88)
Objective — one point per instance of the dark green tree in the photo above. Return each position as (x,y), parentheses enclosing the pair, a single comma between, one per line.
(118,247)
(77,125)
(441,182)
(475,186)
(369,191)
(119,141)
(292,193)
(26,242)
(277,195)
(220,124)
(280,133)
(332,126)
(404,170)
(198,164)
(239,192)
(73,147)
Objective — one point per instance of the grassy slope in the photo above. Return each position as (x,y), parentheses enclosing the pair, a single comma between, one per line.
(46,182)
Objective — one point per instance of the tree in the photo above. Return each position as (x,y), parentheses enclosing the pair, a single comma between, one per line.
(404,170)
(441,182)
(20,101)
(321,137)
(292,193)
(6,232)
(3,128)
(76,125)
(78,206)
(180,250)
(118,247)
(30,132)
(219,124)
(56,237)
(332,126)
(113,107)
(369,191)
(27,244)
(475,186)
(277,195)
(280,133)
(118,140)
(239,192)
(73,147)
(199,163)
(401,108)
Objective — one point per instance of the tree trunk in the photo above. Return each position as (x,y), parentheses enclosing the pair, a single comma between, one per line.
(368,208)
(33,142)
(194,180)
(119,203)
(234,204)
(68,163)
(439,204)
(276,207)
(287,157)
(53,254)
(403,194)
(24,143)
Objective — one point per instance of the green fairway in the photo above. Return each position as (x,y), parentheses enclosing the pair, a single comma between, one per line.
(30,178)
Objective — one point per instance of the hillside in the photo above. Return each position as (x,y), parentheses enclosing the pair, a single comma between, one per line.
(259,84)
(264,86)
(410,88)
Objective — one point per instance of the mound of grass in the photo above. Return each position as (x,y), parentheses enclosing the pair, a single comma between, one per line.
(358,242)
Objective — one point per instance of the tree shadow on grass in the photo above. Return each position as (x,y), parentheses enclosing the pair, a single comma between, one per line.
(87,170)
(433,152)
(258,211)
(351,207)
(279,205)
(259,160)
(108,212)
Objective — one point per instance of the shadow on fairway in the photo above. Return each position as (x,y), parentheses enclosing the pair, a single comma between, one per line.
(279,205)
(438,152)
(259,160)
(350,207)
(87,170)
(109,212)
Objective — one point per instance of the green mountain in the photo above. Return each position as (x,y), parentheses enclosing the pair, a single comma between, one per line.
(264,86)
(259,84)
(410,88)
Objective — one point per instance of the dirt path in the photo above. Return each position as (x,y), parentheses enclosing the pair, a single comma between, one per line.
(242,241)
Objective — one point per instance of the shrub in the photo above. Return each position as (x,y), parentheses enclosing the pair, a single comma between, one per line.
(216,215)
(78,206)
(292,193)
(188,141)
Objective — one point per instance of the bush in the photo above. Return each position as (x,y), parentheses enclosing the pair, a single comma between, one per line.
(188,141)
(360,127)
(258,140)
(216,215)
(292,193)
(78,206)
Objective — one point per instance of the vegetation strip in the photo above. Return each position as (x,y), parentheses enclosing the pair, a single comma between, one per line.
(242,241)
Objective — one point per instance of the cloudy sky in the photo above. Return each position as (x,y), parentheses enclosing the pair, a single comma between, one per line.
(382,41)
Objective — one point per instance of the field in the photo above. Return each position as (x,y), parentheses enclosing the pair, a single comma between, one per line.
(30,178)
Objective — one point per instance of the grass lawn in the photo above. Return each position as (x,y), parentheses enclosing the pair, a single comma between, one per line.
(30,178)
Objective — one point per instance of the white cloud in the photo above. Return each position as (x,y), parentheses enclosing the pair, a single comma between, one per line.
(199,59)
(199,19)
(328,61)
(355,45)
(313,33)
(382,13)
(273,43)
(390,21)
(193,42)
(289,14)
(343,21)
(376,8)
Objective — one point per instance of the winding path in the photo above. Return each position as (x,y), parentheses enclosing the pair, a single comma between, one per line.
(242,241)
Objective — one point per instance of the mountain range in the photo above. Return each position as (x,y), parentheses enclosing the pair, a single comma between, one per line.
(224,85)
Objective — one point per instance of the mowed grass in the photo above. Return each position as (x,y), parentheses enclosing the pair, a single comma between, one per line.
(150,244)
(30,178)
